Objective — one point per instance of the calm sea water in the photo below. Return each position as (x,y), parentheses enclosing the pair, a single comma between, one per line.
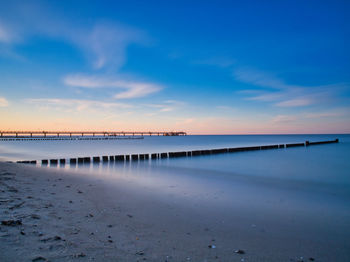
(306,189)
(322,163)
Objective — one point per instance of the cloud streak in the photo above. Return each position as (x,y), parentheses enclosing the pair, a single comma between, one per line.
(130,89)
(77,105)
(295,102)
(262,79)
(5,35)
(283,119)
(3,102)
(281,94)
(103,43)
(167,106)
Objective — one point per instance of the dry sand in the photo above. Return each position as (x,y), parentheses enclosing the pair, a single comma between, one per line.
(61,216)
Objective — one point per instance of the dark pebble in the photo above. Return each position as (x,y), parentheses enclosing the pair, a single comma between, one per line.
(11,223)
(80,255)
(40,258)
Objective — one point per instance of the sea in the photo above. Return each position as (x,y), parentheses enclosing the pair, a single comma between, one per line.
(306,189)
(325,165)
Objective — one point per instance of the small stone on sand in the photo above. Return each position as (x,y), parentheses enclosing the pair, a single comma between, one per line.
(11,223)
(40,258)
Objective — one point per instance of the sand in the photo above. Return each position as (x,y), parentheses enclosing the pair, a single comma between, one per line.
(50,215)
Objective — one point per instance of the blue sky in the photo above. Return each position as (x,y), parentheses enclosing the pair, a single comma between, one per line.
(222,67)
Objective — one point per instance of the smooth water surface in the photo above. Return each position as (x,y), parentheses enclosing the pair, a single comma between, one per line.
(323,164)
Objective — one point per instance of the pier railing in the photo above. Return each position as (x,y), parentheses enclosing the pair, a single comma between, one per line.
(51,134)
(193,153)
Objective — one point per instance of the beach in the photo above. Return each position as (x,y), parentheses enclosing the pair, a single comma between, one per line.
(56,215)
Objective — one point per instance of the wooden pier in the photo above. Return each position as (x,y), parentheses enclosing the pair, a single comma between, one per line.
(46,134)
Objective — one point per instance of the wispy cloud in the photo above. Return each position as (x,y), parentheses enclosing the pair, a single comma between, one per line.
(166,106)
(5,35)
(295,102)
(3,102)
(131,89)
(308,116)
(323,115)
(336,112)
(103,43)
(283,119)
(75,105)
(265,97)
(281,94)
(259,78)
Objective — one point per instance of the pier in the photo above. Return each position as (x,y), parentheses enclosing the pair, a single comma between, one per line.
(164,155)
(51,134)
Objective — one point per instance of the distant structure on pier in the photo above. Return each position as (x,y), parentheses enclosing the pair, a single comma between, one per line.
(44,134)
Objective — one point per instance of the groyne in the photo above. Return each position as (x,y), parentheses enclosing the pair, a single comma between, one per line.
(153,156)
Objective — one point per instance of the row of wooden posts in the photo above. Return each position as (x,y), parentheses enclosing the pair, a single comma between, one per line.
(137,157)
(71,138)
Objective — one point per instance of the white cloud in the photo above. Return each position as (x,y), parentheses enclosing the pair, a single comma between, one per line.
(77,105)
(283,119)
(295,102)
(5,35)
(266,97)
(260,78)
(104,43)
(285,95)
(132,89)
(3,102)
(136,89)
(167,106)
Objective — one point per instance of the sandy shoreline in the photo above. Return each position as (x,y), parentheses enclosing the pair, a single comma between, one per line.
(69,217)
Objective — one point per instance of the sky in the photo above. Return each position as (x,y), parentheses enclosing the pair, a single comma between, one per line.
(204,67)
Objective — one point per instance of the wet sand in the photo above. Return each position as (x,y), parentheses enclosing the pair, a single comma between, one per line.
(51,215)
